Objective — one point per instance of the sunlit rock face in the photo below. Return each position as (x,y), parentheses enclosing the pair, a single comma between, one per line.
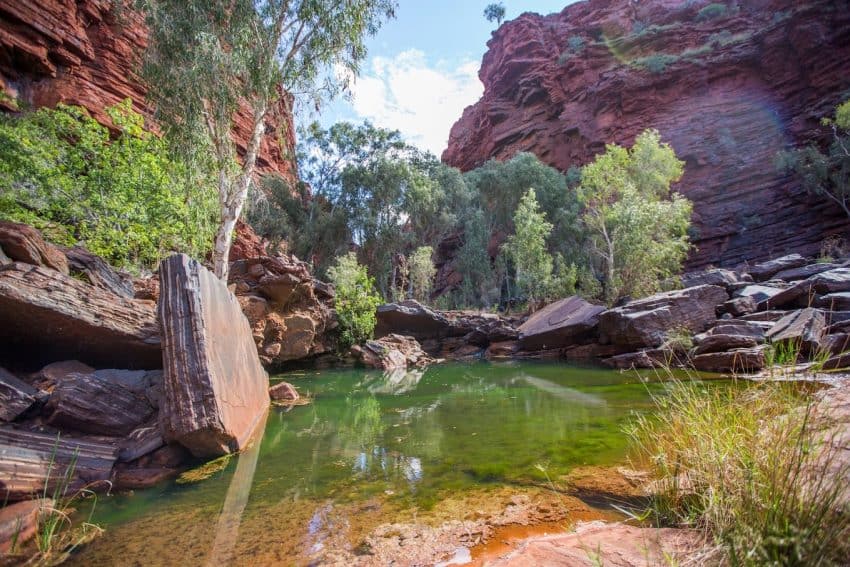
(84,52)
(727,92)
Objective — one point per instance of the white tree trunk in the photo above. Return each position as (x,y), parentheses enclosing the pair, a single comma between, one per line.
(232,197)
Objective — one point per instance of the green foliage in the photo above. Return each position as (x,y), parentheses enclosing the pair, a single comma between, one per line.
(495,12)
(421,272)
(638,230)
(355,300)
(575,45)
(127,199)
(208,61)
(527,251)
(751,466)
(656,63)
(825,173)
(711,11)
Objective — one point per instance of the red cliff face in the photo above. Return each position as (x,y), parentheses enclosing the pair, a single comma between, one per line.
(77,52)
(727,87)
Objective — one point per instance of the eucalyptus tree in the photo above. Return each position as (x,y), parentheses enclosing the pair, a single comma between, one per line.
(495,12)
(208,60)
(637,227)
(526,249)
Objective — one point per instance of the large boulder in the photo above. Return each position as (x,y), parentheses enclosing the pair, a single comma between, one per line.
(766,270)
(746,360)
(47,316)
(87,403)
(804,329)
(215,389)
(648,321)
(23,243)
(413,319)
(560,324)
(16,396)
(716,276)
(796,274)
(391,352)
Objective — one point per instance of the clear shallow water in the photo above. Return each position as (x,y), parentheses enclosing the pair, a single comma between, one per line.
(371,446)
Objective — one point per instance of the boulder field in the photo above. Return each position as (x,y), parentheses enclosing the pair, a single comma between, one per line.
(158,376)
(721,320)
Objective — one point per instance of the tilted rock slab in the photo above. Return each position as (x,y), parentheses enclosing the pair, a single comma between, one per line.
(92,404)
(560,324)
(215,389)
(16,396)
(647,322)
(47,316)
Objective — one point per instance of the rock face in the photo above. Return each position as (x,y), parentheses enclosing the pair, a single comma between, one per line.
(78,52)
(559,324)
(804,329)
(215,389)
(290,312)
(647,322)
(47,316)
(727,93)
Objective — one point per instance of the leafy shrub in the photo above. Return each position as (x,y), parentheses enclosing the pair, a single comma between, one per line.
(126,199)
(711,12)
(656,63)
(356,300)
(422,272)
(575,45)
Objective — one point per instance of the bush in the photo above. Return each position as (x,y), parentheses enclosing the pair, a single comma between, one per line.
(711,12)
(356,300)
(656,63)
(126,199)
(753,468)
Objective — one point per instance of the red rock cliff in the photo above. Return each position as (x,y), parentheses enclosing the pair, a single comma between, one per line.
(726,91)
(75,51)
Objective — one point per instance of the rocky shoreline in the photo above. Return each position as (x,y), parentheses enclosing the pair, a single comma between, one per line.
(120,382)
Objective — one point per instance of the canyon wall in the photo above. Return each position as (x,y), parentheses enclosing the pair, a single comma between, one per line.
(83,52)
(728,85)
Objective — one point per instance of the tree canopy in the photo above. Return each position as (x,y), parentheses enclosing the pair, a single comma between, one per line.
(495,12)
(207,60)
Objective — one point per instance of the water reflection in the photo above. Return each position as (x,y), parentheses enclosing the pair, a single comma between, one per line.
(412,438)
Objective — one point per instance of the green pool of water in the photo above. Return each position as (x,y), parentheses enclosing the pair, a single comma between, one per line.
(409,438)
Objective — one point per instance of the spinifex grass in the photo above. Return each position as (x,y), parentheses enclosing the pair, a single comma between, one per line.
(58,535)
(751,466)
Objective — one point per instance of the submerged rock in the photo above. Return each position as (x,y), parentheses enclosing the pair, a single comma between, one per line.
(215,389)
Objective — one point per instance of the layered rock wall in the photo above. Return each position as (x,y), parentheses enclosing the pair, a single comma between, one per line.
(727,92)
(83,52)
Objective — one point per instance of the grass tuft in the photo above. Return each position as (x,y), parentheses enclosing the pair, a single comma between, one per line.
(753,467)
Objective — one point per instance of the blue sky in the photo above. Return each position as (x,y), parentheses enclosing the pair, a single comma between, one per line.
(422,68)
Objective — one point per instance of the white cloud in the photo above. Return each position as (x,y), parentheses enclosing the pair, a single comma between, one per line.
(422,101)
